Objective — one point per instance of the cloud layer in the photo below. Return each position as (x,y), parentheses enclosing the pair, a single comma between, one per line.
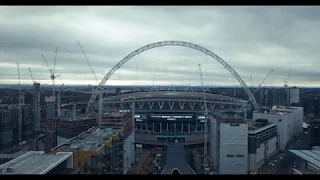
(253,40)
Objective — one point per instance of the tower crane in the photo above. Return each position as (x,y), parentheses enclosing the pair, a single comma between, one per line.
(21,99)
(31,76)
(52,71)
(87,60)
(258,88)
(95,77)
(205,150)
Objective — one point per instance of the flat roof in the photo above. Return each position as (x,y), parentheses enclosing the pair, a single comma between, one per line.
(255,127)
(34,162)
(311,156)
(90,140)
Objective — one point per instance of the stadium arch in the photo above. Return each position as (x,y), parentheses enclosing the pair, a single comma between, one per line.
(172,43)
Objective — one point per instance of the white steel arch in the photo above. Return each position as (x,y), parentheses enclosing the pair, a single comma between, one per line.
(172,43)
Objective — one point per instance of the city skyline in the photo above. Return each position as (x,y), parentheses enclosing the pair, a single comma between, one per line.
(253,40)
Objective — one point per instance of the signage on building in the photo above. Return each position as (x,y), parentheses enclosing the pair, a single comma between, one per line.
(171,117)
(202,118)
(140,118)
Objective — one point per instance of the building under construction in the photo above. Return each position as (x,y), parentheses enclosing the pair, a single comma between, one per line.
(70,127)
(66,123)
(97,150)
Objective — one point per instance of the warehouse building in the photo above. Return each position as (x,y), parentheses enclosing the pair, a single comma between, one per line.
(98,150)
(38,162)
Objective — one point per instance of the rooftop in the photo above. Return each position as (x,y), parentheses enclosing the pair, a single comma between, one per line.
(311,156)
(90,140)
(258,126)
(34,162)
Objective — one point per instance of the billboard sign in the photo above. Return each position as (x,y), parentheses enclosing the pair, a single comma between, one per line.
(171,117)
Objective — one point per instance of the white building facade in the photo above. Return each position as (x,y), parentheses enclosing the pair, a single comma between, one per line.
(289,121)
(233,148)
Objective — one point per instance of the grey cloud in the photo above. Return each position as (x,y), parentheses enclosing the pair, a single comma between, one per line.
(253,40)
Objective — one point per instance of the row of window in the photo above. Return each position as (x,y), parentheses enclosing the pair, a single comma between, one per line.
(237,156)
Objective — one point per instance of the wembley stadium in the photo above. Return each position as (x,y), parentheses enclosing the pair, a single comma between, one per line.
(170,114)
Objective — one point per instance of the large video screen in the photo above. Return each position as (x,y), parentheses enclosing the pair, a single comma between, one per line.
(162,117)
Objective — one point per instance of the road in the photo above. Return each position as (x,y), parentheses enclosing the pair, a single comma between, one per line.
(283,162)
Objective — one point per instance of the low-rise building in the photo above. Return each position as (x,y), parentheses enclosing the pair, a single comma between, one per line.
(239,146)
(99,150)
(308,162)
(38,162)
(233,146)
(289,121)
(262,143)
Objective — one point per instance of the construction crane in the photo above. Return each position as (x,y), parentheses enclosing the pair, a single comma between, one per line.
(31,76)
(52,70)
(205,148)
(258,88)
(20,108)
(287,89)
(87,60)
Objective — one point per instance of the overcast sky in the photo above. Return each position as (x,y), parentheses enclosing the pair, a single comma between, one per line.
(253,40)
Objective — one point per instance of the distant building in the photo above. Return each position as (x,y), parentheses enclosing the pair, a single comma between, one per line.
(294,95)
(316,106)
(6,128)
(9,124)
(314,132)
(37,162)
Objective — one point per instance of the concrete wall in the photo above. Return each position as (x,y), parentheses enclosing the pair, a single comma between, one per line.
(233,143)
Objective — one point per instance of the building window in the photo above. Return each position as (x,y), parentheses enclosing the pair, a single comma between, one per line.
(240,156)
(230,155)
